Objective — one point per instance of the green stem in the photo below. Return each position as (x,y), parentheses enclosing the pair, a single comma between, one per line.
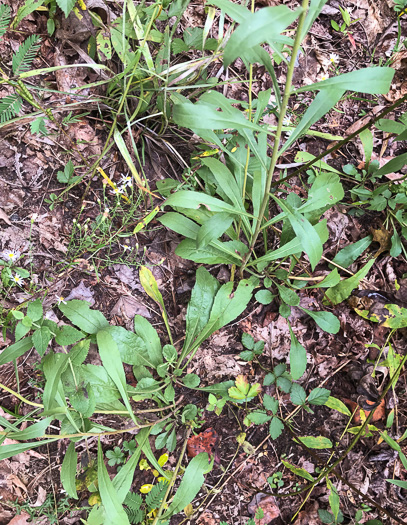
(284,105)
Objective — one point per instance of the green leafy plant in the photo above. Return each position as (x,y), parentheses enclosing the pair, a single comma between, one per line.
(75,391)
(347,21)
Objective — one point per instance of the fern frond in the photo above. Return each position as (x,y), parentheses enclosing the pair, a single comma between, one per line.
(133,509)
(25,55)
(9,107)
(5,15)
(156,495)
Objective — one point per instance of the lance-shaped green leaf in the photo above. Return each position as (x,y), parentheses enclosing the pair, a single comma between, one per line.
(16,350)
(191,483)
(306,233)
(298,471)
(298,357)
(342,290)
(33,431)
(114,511)
(200,305)
(7,451)
(213,228)
(68,471)
(194,199)
(110,355)
(150,286)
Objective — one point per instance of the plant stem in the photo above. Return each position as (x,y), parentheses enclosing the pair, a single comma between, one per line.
(275,155)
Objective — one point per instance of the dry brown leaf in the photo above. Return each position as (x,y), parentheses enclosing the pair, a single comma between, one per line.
(128,306)
(4,217)
(21,519)
(378,414)
(383,237)
(269,506)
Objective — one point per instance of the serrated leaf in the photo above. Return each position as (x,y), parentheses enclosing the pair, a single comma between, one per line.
(318,396)
(41,338)
(297,394)
(276,427)
(270,403)
(258,417)
(81,315)
(66,6)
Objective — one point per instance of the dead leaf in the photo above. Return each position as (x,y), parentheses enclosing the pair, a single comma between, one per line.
(269,506)
(21,519)
(383,237)
(83,293)
(127,276)
(128,306)
(41,497)
(378,414)
(4,217)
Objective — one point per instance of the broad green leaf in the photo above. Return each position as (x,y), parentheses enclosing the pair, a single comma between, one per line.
(80,314)
(305,156)
(200,305)
(318,396)
(68,471)
(191,380)
(54,366)
(68,335)
(263,26)
(213,228)
(190,485)
(110,355)
(338,405)
(276,427)
(32,431)
(297,394)
(150,337)
(264,296)
(41,338)
(179,224)
(110,500)
(397,317)
(390,126)
(288,296)
(350,253)
(226,181)
(327,321)
(237,12)
(204,116)
(342,291)
(34,310)
(16,350)
(309,238)
(217,252)
(258,417)
(333,498)
(366,137)
(7,451)
(393,165)
(150,286)
(324,193)
(332,279)
(133,349)
(298,357)
(66,6)
(226,307)
(398,482)
(270,403)
(319,442)
(298,471)
(373,80)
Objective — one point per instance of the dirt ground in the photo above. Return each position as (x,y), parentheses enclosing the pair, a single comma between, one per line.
(67,258)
